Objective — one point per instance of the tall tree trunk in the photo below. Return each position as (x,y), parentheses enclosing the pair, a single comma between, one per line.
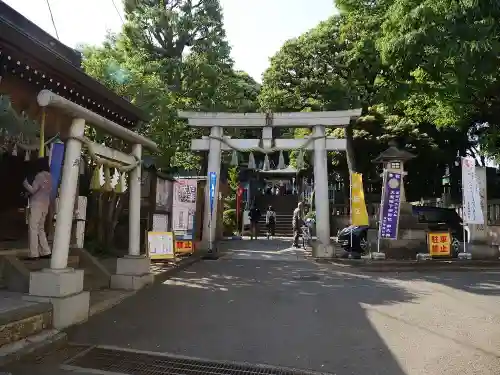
(349,136)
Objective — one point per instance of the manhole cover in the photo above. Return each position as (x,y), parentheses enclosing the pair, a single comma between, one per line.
(146,363)
(306,277)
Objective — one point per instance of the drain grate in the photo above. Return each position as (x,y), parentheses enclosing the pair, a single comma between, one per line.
(147,363)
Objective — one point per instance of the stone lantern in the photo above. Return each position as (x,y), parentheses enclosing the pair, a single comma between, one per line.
(411,235)
(393,160)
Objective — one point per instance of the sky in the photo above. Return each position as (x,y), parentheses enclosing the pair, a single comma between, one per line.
(256,29)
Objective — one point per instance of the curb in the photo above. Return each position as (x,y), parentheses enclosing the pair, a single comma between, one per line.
(424,266)
(183,264)
(32,347)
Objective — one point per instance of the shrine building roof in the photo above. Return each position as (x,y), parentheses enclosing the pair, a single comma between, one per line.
(31,54)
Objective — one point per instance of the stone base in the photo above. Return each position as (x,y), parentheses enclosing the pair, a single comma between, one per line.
(68,310)
(64,289)
(424,256)
(131,282)
(482,250)
(320,250)
(133,265)
(56,283)
(464,256)
(378,256)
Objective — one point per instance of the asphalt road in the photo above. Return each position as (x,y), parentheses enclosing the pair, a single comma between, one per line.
(271,306)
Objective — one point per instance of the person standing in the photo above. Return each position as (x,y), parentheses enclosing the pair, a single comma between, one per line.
(297,222)
(270,222)
(39,201)
(254,216)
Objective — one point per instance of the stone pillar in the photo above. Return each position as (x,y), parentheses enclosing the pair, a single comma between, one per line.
(267,137)
(81,216)
(134,210)
(133,271)
(214,160)
(63,286)
(323,247)
(69,182)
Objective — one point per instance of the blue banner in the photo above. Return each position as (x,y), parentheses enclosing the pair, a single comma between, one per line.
(56,163)
(391,199)
(213,183)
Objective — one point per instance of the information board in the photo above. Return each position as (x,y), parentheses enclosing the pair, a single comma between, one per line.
(184,247)
(161,245)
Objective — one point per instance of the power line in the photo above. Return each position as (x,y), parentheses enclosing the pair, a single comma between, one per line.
(118,11)
(52,18)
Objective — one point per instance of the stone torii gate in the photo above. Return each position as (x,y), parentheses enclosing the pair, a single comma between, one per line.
(59,284)
(317,142)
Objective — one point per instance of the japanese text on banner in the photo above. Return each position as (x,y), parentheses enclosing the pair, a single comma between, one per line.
(359,214)
(472,210)
(391,200)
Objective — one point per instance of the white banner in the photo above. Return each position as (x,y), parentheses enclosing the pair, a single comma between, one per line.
(184,205)
(472,210)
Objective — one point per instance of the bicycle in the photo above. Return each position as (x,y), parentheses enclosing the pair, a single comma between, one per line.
(306,234)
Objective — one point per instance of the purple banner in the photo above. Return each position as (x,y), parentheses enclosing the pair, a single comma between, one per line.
(391,200)
(56,163)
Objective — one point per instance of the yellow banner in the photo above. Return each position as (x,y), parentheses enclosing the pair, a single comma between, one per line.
(359,215)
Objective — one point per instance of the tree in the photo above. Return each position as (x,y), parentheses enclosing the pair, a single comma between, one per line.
(337,66)
(448,51)
(171,32)
(170,56)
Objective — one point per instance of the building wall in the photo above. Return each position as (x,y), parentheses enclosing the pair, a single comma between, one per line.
(16,169)
(23,98)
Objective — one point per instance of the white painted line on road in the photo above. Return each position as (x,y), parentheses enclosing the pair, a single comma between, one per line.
(84,370)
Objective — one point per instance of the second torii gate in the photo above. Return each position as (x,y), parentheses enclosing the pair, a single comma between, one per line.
(317,142)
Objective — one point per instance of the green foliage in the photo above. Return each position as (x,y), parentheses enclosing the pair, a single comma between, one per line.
(310,215)
(232,180)
(172,56)
(423,72)
(229,221)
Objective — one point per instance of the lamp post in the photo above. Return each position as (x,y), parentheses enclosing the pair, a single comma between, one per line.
(445,183)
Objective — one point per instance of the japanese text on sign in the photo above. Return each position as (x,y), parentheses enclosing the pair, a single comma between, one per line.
(186,194)
(439,244)
(184,247)
(390,205)
(184,206)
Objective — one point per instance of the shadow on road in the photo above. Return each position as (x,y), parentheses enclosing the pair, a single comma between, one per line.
(280,313)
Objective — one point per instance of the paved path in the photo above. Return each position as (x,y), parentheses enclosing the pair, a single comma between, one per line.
(272,306)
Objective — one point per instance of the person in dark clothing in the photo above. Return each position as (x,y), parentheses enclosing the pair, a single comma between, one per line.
(254,216)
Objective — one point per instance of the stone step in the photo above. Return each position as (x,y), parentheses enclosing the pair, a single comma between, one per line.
(21,319)
(32,348)
(39,264)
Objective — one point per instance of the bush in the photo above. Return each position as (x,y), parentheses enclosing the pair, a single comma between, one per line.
(310,215)
(229,221)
